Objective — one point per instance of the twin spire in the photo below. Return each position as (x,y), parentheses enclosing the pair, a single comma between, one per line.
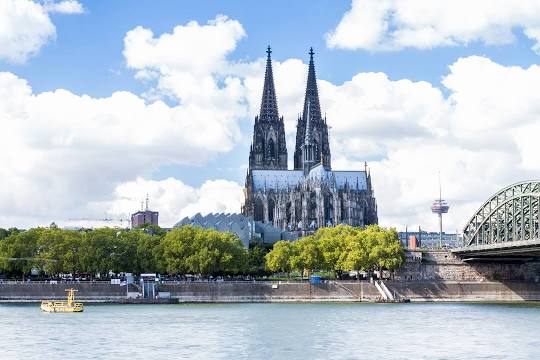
(269,108)
(312,107)
(269,149)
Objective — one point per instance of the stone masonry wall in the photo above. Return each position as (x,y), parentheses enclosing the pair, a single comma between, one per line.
(444,266)
(224,292)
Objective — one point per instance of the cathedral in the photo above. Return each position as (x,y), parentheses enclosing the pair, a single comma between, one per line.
(311,195)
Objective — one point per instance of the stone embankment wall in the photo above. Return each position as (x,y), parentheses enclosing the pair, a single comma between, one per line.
(444,266)
(200,291)
(353,291)
(36,291)
(209,292)
(466,291)
(271,292)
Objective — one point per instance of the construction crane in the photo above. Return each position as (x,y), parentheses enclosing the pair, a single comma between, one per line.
(121,220)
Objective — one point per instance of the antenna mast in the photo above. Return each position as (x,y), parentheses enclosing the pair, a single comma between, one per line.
(440,207)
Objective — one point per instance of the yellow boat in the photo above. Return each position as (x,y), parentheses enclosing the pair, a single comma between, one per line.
(63,306)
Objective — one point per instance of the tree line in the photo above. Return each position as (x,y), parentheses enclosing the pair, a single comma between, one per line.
(341,248)
(192,250)
(101,251)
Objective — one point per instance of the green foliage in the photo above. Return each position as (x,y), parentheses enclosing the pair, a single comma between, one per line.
(203,251)
(149,257)
(99,251)
(4,233)
(195,250)
(306,255)
(338,249)
(17,249)
(333,244)
(279,259)
(357,252)
(385,250)
(256,260)
(57,250)
(152,229)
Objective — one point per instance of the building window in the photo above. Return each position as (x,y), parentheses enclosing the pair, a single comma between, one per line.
(271,207)
(271,149)
(259,211)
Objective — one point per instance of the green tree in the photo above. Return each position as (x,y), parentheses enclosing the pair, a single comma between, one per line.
(307,256)
(331,242)
(178,245)
(279,258)
(203,251)
(233,255)
(152,229)
(149,253)
(125,251)
(58,250)
(256,259)
(99,254)
(356,255)
(18,252)
(385,250)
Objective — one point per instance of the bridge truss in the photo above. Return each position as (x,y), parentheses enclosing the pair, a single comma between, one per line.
(508,219)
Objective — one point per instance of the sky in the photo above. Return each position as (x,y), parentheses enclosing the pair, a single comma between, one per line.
(103,102)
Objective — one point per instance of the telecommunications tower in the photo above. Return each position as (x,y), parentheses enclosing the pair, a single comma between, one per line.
(440,207)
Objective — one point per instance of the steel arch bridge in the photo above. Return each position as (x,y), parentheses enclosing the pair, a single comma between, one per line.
(507,224)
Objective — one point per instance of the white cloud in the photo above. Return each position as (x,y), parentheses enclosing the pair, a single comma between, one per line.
(75,156)
(62,151)
(175,200)
(396,24)
(70,153)
(482,137)
(189,63)
(380,111)
(25,26)
(63,7)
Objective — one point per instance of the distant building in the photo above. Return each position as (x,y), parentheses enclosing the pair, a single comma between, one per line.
(413,243)
(427,240)
(145,216)
(244,227)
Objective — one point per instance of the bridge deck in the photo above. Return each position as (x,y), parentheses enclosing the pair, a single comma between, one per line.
(526,248)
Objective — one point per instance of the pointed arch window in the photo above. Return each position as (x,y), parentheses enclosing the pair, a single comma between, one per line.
(271,207)
(271,149)
(259,210)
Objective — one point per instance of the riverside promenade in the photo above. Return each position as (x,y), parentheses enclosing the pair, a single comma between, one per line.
(277,292)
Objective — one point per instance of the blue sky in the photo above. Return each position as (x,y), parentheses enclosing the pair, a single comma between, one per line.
(87,54)
(86,57)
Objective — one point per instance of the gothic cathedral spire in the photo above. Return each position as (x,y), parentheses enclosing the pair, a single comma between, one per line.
(311,97)
(269,149)
(318,127)
(269,108)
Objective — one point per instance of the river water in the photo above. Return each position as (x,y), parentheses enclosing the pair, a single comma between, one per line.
(273,331)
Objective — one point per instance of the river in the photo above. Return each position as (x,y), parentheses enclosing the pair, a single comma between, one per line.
(273,331)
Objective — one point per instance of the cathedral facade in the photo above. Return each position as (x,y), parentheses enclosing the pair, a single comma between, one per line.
(311,195)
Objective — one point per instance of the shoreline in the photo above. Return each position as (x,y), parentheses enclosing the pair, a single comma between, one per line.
(296,301)
(277,292)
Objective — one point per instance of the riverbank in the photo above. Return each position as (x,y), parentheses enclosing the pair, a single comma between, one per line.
(278,292)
